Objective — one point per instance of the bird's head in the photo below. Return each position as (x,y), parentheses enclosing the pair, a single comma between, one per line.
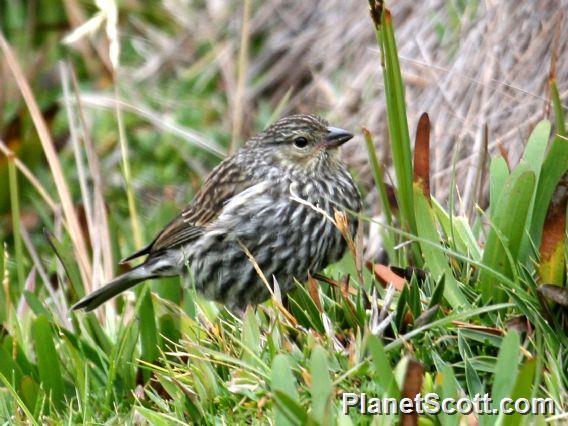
(301,142)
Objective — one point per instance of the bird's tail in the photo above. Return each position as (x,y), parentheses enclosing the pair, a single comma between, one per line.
(116,286)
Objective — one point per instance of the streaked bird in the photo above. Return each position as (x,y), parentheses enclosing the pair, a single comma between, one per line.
(268,198)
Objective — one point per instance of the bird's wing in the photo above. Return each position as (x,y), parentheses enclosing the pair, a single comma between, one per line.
(227,180)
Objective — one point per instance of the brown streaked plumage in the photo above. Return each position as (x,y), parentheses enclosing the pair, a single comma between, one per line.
(247,200)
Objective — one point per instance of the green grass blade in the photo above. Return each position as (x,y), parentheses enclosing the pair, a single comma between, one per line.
(396,112)
(436,260)
(4,297)
(126,170)
(442,322)
(559,118)
(149,338)
(64,254)
(16,396)
(48,361)
(378,175)
(15,210)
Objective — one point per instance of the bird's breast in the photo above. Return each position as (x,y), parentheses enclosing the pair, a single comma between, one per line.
(334,191)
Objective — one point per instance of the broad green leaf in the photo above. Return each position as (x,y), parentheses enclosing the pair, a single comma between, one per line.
(30,391)
(205,382)
(149,338)
(506,233)
(282,380)
(535,149)
(78,366)
(343,419)
(11,349)
(463,347)
(506,370)
(321,389)
(384,377)
(436,259)
(98,334)
(480,363)
(291,409)
(473,382)
(8,367)
(16,396)
(251,336)
(438,292)
(533,158)
(553,168)
(474,386)
(482,337)
(169,328)
(522,389)
(498,174)
(167,289)
(458,228)
(48,361)
(414,299)
(449,389)
(157,418)
(12,369)
(465,234)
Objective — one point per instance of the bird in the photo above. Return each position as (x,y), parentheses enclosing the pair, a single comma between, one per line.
(273,200)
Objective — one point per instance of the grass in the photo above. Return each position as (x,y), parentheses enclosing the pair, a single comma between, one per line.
(466,317)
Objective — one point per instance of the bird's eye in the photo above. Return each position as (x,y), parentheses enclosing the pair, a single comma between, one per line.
(301,142)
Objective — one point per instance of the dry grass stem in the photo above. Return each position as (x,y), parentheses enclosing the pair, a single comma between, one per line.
(71,219)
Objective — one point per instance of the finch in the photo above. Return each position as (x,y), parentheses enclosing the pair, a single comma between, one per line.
(268,198)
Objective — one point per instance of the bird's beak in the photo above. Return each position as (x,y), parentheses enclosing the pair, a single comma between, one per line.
(336,137)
